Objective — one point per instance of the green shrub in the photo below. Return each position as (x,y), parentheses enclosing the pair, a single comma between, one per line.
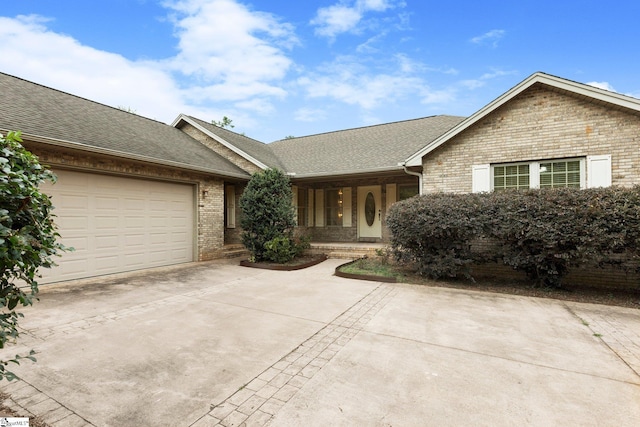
(267,211)
(283,249)
(435,232)
(542,232)
(28,236)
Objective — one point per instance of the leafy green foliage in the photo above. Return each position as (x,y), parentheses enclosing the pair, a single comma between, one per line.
(284,248)
(27,234)
(268,214)
(226,122)
(542,232)
(435,232)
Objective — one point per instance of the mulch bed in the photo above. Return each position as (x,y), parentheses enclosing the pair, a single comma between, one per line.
(296,264)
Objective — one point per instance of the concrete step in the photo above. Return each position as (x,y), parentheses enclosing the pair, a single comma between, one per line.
(234,251)
(350,254)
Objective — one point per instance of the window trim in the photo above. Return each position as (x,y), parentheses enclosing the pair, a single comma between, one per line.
(534,170)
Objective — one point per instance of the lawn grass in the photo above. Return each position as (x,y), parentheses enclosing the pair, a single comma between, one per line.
(372,267)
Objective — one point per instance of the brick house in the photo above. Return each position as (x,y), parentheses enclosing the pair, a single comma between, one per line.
(544,132)
(135,193)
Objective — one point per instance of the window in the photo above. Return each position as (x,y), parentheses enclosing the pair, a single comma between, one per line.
(333,207)
(406,191)
(511,176)
(545,174)
(230,195)
(302,206)
(560,174)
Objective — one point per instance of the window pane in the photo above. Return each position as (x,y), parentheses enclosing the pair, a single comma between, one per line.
(559,179)
(302,206)
(408,191)
(573,166)
(334,207)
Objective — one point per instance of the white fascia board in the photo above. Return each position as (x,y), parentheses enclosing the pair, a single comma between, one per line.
(557,82)
(129,156)
(221,141)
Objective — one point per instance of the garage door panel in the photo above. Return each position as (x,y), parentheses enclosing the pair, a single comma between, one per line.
(106,263)
(72,202)
(104,204)
(119,224)
(109,243)
(106,222)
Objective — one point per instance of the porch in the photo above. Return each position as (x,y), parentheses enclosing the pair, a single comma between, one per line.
(346,250)
(340,250)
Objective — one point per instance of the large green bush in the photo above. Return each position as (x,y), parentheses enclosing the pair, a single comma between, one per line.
(268,214)
(27,235)
(435,232)
(540,232)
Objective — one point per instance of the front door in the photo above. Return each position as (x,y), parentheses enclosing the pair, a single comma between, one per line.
(370,211)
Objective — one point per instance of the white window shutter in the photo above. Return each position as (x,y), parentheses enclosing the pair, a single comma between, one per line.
(481,178)
(231,206)
(346,207)
(294,202)
(310,200)
(599,171)
(319,208)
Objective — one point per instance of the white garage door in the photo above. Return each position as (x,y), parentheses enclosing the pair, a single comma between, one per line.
(119,224)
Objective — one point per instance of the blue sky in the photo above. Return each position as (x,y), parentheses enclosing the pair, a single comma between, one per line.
(280,68)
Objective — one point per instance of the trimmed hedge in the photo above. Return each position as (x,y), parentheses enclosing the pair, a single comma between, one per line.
(541,232)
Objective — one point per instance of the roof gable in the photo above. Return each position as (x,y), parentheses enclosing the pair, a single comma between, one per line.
(576,88)
(256,152)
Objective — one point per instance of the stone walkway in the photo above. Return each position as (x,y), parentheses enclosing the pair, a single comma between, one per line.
(256,403)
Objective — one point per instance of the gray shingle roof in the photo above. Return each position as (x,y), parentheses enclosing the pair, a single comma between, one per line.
(40,111)
(256,149)
(360,150)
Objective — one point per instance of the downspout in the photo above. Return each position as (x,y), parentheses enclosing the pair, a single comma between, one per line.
(418,174)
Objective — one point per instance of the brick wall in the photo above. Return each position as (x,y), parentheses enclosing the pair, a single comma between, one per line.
(214,145)
(538,124)
(210,214)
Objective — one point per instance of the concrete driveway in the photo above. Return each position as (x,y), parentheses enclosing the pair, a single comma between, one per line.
(217,344)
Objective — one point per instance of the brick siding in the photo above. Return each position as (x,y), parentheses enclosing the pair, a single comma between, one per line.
(214,145)
(538,124)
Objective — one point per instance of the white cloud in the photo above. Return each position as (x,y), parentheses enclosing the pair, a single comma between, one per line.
(342,17)
(60,61)
(348,81)
(226,53)
(482,80)
(489,38)
(309,114)
(221,41)
(602,85)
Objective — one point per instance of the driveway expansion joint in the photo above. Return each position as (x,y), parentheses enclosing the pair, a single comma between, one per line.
(256,403)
